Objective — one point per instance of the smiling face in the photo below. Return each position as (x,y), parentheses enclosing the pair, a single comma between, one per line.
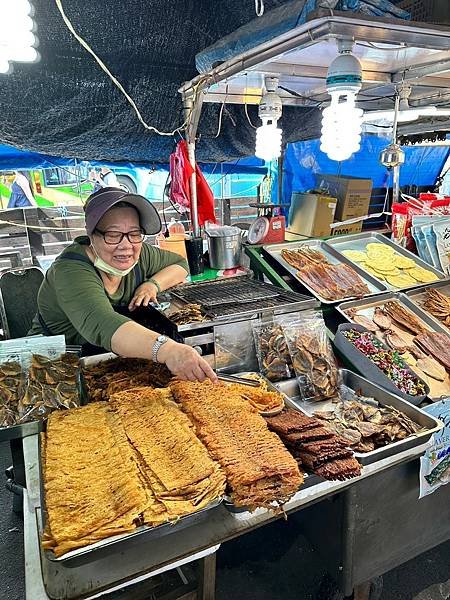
(125,254)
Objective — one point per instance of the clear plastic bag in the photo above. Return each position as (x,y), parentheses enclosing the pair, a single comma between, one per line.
(272,351)
(312,356)
(53,383)
(12,385)
(37,376)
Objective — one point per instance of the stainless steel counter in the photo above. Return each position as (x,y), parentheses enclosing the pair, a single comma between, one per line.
(49,580)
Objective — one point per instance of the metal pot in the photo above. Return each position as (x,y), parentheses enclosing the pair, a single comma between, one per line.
(224,248)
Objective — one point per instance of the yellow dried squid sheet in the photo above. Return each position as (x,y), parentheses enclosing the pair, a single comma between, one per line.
(174,463)
(92,484)
(111,467)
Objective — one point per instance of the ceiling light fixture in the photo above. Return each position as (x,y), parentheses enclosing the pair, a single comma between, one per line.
(406,114)
(342,121)
(268,135)
(17,40)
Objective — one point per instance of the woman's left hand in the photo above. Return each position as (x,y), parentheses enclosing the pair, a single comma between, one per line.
(143,295)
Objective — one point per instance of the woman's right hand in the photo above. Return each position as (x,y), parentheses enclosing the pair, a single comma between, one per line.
(185,362)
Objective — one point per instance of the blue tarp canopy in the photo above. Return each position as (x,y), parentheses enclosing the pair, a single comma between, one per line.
(12,159)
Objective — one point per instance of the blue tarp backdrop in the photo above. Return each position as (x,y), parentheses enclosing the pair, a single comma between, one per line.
(304,160)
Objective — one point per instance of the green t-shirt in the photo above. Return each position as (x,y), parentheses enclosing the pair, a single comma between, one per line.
(72,299)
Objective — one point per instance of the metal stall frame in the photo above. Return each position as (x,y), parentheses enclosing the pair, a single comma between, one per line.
(417,53)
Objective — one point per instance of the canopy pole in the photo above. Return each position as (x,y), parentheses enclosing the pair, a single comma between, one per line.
(192,108)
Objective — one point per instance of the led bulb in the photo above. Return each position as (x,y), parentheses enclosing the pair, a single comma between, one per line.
(268,141)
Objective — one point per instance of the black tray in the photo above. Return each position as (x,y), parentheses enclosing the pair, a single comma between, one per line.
(367,368)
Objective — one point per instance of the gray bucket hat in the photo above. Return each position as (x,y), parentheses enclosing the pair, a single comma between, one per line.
(101,201)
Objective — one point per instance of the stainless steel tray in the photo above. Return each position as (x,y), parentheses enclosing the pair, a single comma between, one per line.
(117,543)
(366,388)
(359,241)
(400,297)
(365,307)
(332,256)
(417,296)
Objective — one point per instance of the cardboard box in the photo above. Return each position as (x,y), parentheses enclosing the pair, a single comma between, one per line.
(353,194)
(311,215)
(347,229)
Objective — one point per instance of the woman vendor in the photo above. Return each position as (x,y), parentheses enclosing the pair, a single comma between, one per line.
(111,268)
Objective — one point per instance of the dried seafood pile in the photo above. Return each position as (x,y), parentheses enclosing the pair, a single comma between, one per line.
(331,282)
(119,374)
(438,305)
(388,361)
(149,468)
(365,425)
(273,353)
(191,313)
(259,470)
(50,384)
(384,263)
(314,446)
(261,398)
(429,351)
(314,363)
(11,392)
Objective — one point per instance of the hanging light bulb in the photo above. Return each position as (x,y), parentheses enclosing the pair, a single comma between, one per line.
(268,135)
(342,121)
(17,40)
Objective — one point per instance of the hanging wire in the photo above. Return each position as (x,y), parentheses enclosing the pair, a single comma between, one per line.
(117,83)
(248,116)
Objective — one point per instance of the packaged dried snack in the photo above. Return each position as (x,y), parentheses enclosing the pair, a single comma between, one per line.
(272,351)
(312,356)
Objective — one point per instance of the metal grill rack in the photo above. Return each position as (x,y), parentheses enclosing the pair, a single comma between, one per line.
(236,296)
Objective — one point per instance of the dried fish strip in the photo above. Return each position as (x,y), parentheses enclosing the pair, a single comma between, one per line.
(259,397)
(331,282)
(119,374)
(436,344)
(314,446)
(191,313)
(438,305)
(259,470)
(403,317)
(11,392)
(135,460)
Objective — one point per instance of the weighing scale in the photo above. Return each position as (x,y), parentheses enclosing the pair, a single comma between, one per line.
(267,227)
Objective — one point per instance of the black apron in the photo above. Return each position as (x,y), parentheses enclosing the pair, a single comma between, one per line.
(88,349)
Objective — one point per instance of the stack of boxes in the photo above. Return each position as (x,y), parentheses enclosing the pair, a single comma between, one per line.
(311,214)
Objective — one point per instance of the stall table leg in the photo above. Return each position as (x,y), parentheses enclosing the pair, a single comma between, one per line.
(207,578)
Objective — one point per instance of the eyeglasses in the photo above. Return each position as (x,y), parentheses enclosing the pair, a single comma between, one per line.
(115,237)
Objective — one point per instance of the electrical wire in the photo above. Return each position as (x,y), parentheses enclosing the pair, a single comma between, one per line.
(296,94)
(117,83)
(248,116)
(372,45)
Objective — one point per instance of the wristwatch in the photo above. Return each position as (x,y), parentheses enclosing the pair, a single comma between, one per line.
(160,340)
